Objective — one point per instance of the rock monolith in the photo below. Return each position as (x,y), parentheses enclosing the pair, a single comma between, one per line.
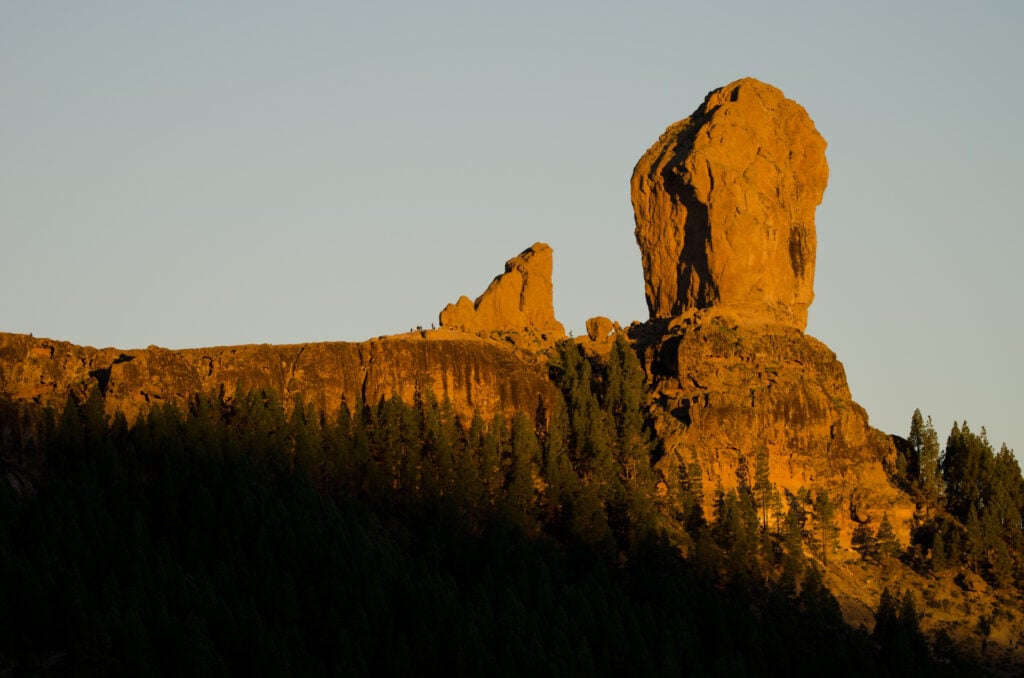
(724,204)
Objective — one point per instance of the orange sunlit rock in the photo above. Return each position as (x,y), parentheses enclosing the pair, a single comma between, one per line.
(517,303)
(724,205)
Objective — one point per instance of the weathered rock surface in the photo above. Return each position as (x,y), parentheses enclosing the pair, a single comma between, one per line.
(474,374)
(600,328)
(723,390)
(517,304)
(724,204)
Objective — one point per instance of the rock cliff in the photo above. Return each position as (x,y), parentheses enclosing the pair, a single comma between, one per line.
(517,305)
(472,373)
(723,390)
(724,204)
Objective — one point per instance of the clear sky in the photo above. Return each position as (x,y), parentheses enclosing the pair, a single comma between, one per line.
(206,173)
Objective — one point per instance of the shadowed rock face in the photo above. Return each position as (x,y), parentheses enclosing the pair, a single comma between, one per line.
(724,204)
(475,375)
(517,303)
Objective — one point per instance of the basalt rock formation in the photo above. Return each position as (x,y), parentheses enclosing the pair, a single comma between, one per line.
(724,204)
(725,392)
(517,305)
(473,374)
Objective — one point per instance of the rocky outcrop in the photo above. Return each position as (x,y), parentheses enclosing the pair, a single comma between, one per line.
(475,375)
(725,390)
(724,204)
(517,305)
(600,328)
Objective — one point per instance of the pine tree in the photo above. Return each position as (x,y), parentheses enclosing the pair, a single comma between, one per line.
(1000,562)
(915,443)
(591,432)
(467,471)
(736,530)
(864,541)
(389,443)
(793,559)
(691,496)
(305,436)
(561,481)
(591,442)
(370,479)
(778,510)
(966,464)
(887,617)
(897,632)
(1006,499)
(828,529)
(929,478)
(976,542)
(492,449)
(763,487)
(888,545)
(448,441)
(520,492)
(625,395)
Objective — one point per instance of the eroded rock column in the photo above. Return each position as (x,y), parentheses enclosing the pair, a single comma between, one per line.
(724,204)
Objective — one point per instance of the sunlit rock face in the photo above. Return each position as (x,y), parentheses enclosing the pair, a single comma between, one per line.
(724,204)
(724,207)
(475,376)
(517,303)
(459,363)
(725,392)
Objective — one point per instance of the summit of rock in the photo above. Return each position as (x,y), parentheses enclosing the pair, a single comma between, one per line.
(724,203)
(517,304)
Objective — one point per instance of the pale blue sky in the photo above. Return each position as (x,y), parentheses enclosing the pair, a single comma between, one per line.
(201,173)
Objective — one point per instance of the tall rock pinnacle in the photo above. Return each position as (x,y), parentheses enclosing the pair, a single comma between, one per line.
(517,303)
(724,204)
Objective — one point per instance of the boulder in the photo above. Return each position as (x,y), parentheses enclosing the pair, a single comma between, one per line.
(724,205)
(600,328)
